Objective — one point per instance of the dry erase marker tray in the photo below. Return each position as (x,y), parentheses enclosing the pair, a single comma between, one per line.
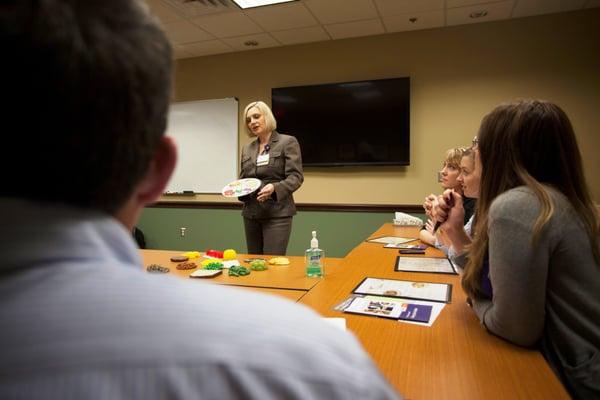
(182,193)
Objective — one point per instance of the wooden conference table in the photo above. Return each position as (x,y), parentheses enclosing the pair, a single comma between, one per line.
(289,281)
(454,359)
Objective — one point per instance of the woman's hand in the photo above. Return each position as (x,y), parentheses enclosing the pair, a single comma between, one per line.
(429,226)
(449,211)
(429,203)
(265,193)
(441,206)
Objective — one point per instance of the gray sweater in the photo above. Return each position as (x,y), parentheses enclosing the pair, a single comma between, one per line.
(547,294)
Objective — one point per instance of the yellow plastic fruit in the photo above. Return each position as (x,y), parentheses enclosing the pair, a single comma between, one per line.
(191,254)
(229,254)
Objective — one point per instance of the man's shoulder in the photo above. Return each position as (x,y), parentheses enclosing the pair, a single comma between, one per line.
(262,336)
(152,322)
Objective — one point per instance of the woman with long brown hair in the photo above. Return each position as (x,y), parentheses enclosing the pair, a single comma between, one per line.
(538,231)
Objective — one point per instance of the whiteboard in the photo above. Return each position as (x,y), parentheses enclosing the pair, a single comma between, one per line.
(206,134)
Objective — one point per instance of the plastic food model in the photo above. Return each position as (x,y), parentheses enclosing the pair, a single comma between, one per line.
(229,254)
(279,261)
(258,265)
(191,254)
(157,269)
(214,253)
(238,271)
(213,265)
(186,265)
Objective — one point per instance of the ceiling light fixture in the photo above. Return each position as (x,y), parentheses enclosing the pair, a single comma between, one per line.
(244,4)
(478,14)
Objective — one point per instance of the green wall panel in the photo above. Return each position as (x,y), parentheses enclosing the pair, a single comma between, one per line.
(338,232)
(205,229)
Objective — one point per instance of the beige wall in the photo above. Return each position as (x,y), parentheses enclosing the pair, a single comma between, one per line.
(457,75)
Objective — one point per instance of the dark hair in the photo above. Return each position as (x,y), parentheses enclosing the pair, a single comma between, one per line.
(528,143)
(86,87)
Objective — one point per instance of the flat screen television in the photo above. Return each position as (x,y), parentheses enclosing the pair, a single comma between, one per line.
(347,123)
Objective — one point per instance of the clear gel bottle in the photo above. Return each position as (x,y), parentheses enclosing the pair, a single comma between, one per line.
(314,258)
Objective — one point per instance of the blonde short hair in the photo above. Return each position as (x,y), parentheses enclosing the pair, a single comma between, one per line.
(453,156)
(270,122)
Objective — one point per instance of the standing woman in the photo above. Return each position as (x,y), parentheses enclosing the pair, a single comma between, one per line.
(275,159)
(539,228)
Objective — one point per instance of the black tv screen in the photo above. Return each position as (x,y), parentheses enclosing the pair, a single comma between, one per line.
(348,123)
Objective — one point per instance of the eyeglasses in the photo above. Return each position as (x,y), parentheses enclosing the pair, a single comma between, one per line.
(475,142)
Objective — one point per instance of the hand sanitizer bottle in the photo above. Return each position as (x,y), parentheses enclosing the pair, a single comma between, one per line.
(314,258)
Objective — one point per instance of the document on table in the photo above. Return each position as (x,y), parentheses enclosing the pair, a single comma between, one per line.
(436,309)
(429,291)
(391,240)
(415,312)
(425,264)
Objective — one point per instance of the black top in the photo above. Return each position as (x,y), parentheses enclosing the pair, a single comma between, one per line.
(469,206)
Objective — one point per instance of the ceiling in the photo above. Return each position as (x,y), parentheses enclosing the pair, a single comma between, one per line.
(205,27)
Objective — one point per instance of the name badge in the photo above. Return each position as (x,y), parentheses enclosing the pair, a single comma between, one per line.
(262,159)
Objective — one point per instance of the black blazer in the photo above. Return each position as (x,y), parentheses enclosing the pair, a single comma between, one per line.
(284,171)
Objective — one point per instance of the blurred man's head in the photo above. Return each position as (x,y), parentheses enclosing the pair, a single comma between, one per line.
(86,87)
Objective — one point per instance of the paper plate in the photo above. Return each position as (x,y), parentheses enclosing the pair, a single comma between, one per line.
(204,273)
(241,187)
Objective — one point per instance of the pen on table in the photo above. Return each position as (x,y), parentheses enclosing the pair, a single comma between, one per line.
(450,203)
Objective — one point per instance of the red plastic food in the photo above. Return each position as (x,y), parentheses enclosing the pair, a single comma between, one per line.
(214,253)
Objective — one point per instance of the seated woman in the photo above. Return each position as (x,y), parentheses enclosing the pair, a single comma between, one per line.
(537,224)
(449,180)
(459,236)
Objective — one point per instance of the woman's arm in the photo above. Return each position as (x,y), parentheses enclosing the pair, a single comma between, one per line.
(437,239)
(244,169)
(452,218)
(293,170)
(426,235)
(518,271)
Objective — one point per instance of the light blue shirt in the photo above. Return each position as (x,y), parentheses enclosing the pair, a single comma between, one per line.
(81,319)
